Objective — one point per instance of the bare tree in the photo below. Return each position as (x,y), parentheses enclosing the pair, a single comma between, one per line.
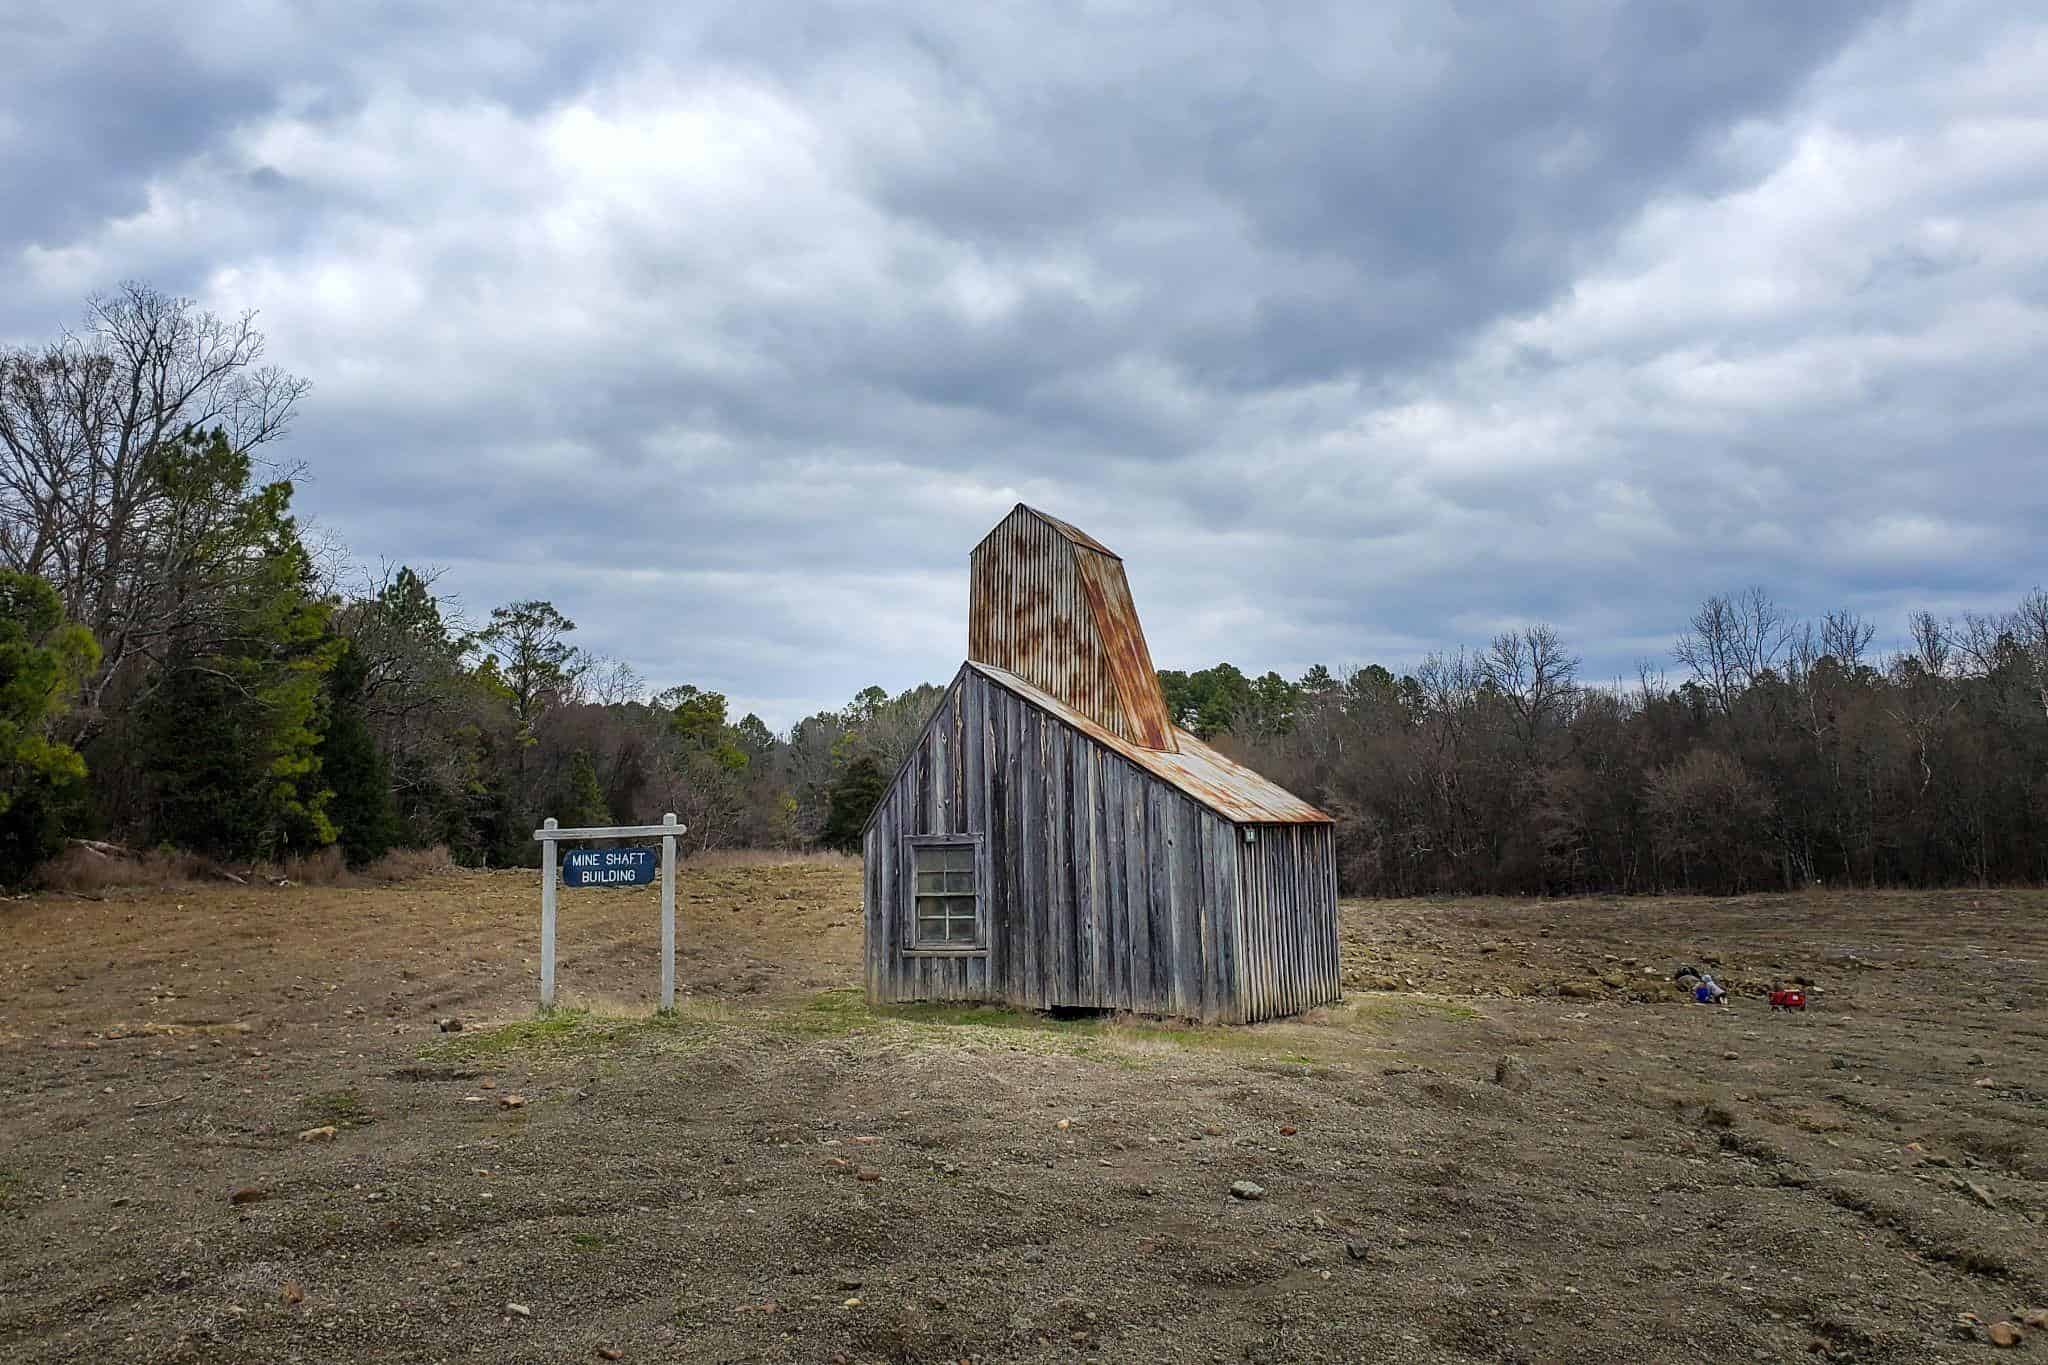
(85,425)
(1845,637)
(1983,643)
(1535,675)
(614,682)
(1733,642)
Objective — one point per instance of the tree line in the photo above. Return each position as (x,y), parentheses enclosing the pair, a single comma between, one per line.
(182,665)
(1786,753)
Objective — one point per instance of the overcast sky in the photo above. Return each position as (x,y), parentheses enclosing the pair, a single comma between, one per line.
(1358,330)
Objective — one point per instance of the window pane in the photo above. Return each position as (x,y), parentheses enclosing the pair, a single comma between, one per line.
(943,892)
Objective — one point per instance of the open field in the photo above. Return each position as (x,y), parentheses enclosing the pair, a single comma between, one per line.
(778,1173)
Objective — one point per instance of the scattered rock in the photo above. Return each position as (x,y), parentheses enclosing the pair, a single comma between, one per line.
(2004,1334)
(847,1282)
(448,1025)
(1064,1124)
(248,1194)
(2036,1317)
(1580,990)
(1512,1073)
(324,1133)
(1974,1190)
(1213,1131)
(868,1173)
(518,1310)
(292,1293)
(609,1353)
(1247,1189)
(1358,1251)
(511,1101)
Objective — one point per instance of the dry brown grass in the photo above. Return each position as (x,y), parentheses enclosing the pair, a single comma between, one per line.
(83,872)
(773,857)
(324,868)
(410,865)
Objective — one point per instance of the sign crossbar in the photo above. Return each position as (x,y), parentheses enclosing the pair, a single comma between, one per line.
(549,835)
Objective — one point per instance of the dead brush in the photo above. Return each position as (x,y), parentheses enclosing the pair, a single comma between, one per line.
(771,857)
(410,865)
(84,870)
(91,869)
(326,867)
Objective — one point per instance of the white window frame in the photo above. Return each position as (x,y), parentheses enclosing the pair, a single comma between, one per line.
(912,946)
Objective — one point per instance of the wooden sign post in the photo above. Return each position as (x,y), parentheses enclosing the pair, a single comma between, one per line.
(609,867)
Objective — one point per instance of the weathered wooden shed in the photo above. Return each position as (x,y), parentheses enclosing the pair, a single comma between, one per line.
(1054,840)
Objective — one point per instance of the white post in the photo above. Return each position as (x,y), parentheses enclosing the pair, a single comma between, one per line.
(547,918)
(668,911)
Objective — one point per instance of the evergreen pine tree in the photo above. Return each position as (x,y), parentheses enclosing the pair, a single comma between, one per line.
(582,799)
(859,788)
(352,768)
(228,731)
(41,660)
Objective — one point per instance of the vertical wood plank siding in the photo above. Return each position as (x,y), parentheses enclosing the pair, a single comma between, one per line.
(1103,886)
(1288,877)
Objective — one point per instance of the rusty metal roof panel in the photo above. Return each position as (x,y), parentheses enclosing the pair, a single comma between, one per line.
(1072,532)
(1124,651)
(1230,789)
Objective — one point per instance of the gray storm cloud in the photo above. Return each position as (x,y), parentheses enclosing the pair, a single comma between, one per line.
(1357,330)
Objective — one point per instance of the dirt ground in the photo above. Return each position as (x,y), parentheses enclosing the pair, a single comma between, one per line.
(778,1173)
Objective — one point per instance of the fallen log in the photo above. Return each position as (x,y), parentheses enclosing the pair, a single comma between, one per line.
(101,848)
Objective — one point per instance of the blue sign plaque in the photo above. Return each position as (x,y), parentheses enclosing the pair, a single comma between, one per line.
(608,867)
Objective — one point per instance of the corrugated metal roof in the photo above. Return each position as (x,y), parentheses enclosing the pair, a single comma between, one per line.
(1072,532)
(1046,603)
(1124,650)
(1230,789)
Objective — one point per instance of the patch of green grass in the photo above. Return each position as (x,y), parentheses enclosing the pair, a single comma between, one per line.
(844,1010)
(10,1181)
(588,1241)
(829,1014)
(567,1032)
(957,1014)
(338,1107)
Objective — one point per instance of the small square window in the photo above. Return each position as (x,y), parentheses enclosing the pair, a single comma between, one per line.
(945,896)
